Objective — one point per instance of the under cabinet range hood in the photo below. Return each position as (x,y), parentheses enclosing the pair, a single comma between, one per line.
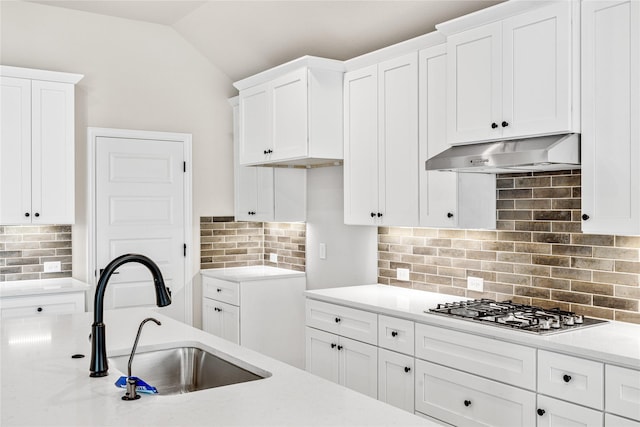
(543,153)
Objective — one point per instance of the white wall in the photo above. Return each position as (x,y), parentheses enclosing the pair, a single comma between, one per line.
(137,76)
(351,250)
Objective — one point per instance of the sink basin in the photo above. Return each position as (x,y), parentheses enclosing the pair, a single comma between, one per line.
(187,369)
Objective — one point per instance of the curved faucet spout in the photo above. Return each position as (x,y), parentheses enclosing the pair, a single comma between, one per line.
(99,366)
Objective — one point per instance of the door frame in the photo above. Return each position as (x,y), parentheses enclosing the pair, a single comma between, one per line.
(93,133)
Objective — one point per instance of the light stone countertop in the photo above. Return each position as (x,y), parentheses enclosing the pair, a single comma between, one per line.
(40,287)
(256,272)
(614,342)
(42,384)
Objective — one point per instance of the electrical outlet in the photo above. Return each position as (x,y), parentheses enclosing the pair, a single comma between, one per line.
(475,283)
(52,267)
(402,274)
(273,258)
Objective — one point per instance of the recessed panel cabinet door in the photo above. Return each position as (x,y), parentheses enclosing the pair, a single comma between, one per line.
(361,146)
(221,319)
(395,379)
(15,151)
(610,111)
(474,84)
(359,366)
(537,72)
(255,124)
(322,358)
(289,112)
(52,153)
(398,141)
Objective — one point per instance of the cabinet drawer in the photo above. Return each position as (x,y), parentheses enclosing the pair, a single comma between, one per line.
(41,305)
(554,413)
(348,322)
(501,361)
(467,400)
(396,334)
(615,421)
(571,378)
(622,391)
(221,290)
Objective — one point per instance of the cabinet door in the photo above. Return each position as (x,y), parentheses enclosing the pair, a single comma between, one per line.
(556,413)
(358,366)
(254,194)
(52,153)
(438,190)
(15,151)
(361,146)
(255,124)
(474,84)
(398,141)
(395,379)
(615,421)
(610,111)
(289,112)
(466,400)
(537,89)
(322,357)
(221,319)
(622,391)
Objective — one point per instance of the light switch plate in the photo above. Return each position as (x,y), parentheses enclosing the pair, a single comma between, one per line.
(52,267)
(273,257)
(402,274)
(323,251)
(475,283)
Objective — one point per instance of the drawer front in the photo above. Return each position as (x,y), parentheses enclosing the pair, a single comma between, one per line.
(348,322)
(615,421)
(396,334)
(622,391)
(509,363)
(42,305)
(571,378)
(556,413)
(463,399)
(221,290)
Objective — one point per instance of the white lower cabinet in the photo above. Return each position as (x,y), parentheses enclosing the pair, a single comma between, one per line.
(467,400)
(348,362)
(555,413)
(396,379)
(22,306)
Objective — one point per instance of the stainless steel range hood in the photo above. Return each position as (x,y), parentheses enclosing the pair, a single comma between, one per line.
(544,153)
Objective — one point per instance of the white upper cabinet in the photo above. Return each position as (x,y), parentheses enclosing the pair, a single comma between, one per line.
(37,146)
(610,117)
(441,193)
(513,77)
(267,194)
(381,143)
(292,114)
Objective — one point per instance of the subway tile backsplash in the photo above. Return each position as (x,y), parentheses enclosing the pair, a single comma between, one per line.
(25,249)
(225,243)
(537,255)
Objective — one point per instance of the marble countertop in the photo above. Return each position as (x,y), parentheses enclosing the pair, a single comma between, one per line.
(42,385)
(42,286)
(613,342)
(255,272)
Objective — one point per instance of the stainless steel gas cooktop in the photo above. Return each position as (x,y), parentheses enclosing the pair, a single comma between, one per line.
(521,317)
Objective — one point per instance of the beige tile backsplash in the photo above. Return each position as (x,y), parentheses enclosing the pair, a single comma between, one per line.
(225,242)
(537,255)
(25,249)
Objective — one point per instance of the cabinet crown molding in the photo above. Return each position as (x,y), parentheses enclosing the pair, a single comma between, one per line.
(34,74)
(305,61)
(491,14)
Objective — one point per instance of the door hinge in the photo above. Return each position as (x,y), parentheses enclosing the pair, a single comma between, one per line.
(184,167)
(184,248)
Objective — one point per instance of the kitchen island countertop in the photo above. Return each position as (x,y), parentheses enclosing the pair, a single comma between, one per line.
(42,384)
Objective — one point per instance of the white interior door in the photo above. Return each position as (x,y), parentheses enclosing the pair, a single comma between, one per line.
(140,209)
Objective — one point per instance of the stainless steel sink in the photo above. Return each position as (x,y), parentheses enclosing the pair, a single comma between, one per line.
(187,369)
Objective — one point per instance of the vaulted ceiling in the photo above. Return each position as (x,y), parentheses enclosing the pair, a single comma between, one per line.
(242,37)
